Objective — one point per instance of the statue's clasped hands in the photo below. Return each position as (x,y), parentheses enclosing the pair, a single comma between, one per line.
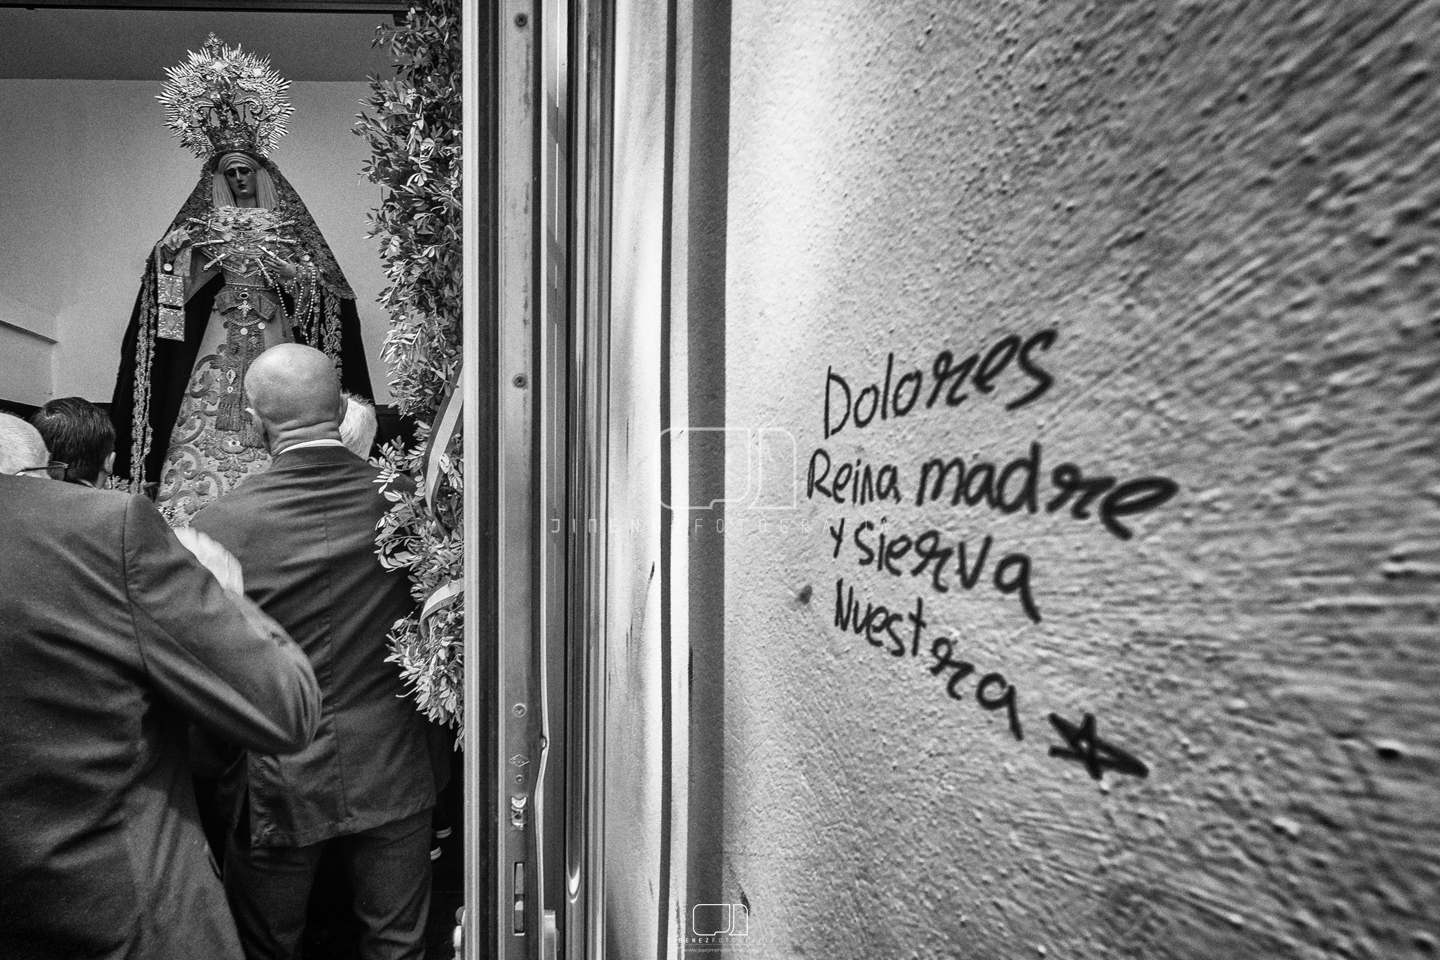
(283,267)
(175,239)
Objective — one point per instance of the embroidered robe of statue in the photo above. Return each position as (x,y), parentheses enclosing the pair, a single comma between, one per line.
(177,437)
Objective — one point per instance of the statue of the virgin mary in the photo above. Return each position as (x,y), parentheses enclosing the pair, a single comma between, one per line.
(241,268)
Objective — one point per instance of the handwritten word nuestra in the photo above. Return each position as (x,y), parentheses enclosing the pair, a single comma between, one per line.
(978,372)
(901,634)
(888,630)
(931,555)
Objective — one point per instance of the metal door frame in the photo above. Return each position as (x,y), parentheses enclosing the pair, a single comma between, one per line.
(498,289)
(589,132)
(536,189)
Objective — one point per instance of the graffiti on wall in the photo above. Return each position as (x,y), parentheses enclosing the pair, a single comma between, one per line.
(1000,378)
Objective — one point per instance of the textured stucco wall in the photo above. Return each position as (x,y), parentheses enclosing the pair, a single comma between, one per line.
(1226,214)
(92,179)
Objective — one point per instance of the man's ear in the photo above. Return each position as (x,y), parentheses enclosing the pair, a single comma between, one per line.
(344,409)
(110,463)
(259,424)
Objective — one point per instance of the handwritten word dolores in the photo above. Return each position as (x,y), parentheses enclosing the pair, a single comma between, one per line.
(1010,363)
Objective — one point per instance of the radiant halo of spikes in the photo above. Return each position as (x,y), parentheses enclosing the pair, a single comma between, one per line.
(224,99)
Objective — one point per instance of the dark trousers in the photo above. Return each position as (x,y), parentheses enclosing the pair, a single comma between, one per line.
(388,867)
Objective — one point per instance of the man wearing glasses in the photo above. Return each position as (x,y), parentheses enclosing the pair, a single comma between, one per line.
(53,469)
(22,452)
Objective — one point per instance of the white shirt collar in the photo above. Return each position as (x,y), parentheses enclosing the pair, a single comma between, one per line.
(312,443)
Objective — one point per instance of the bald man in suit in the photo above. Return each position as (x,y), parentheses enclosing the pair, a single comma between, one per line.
(304,532)
(113,640)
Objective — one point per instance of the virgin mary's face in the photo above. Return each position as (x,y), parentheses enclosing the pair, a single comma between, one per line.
(240,177)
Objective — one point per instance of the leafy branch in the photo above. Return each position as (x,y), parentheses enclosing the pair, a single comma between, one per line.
(412,124)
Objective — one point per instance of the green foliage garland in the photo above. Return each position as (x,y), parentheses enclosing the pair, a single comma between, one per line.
(413,127)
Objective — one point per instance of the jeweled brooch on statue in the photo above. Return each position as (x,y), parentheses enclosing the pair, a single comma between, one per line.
(243,240)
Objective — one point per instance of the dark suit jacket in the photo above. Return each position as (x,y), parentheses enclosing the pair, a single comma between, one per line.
(112,638)
(304,531)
